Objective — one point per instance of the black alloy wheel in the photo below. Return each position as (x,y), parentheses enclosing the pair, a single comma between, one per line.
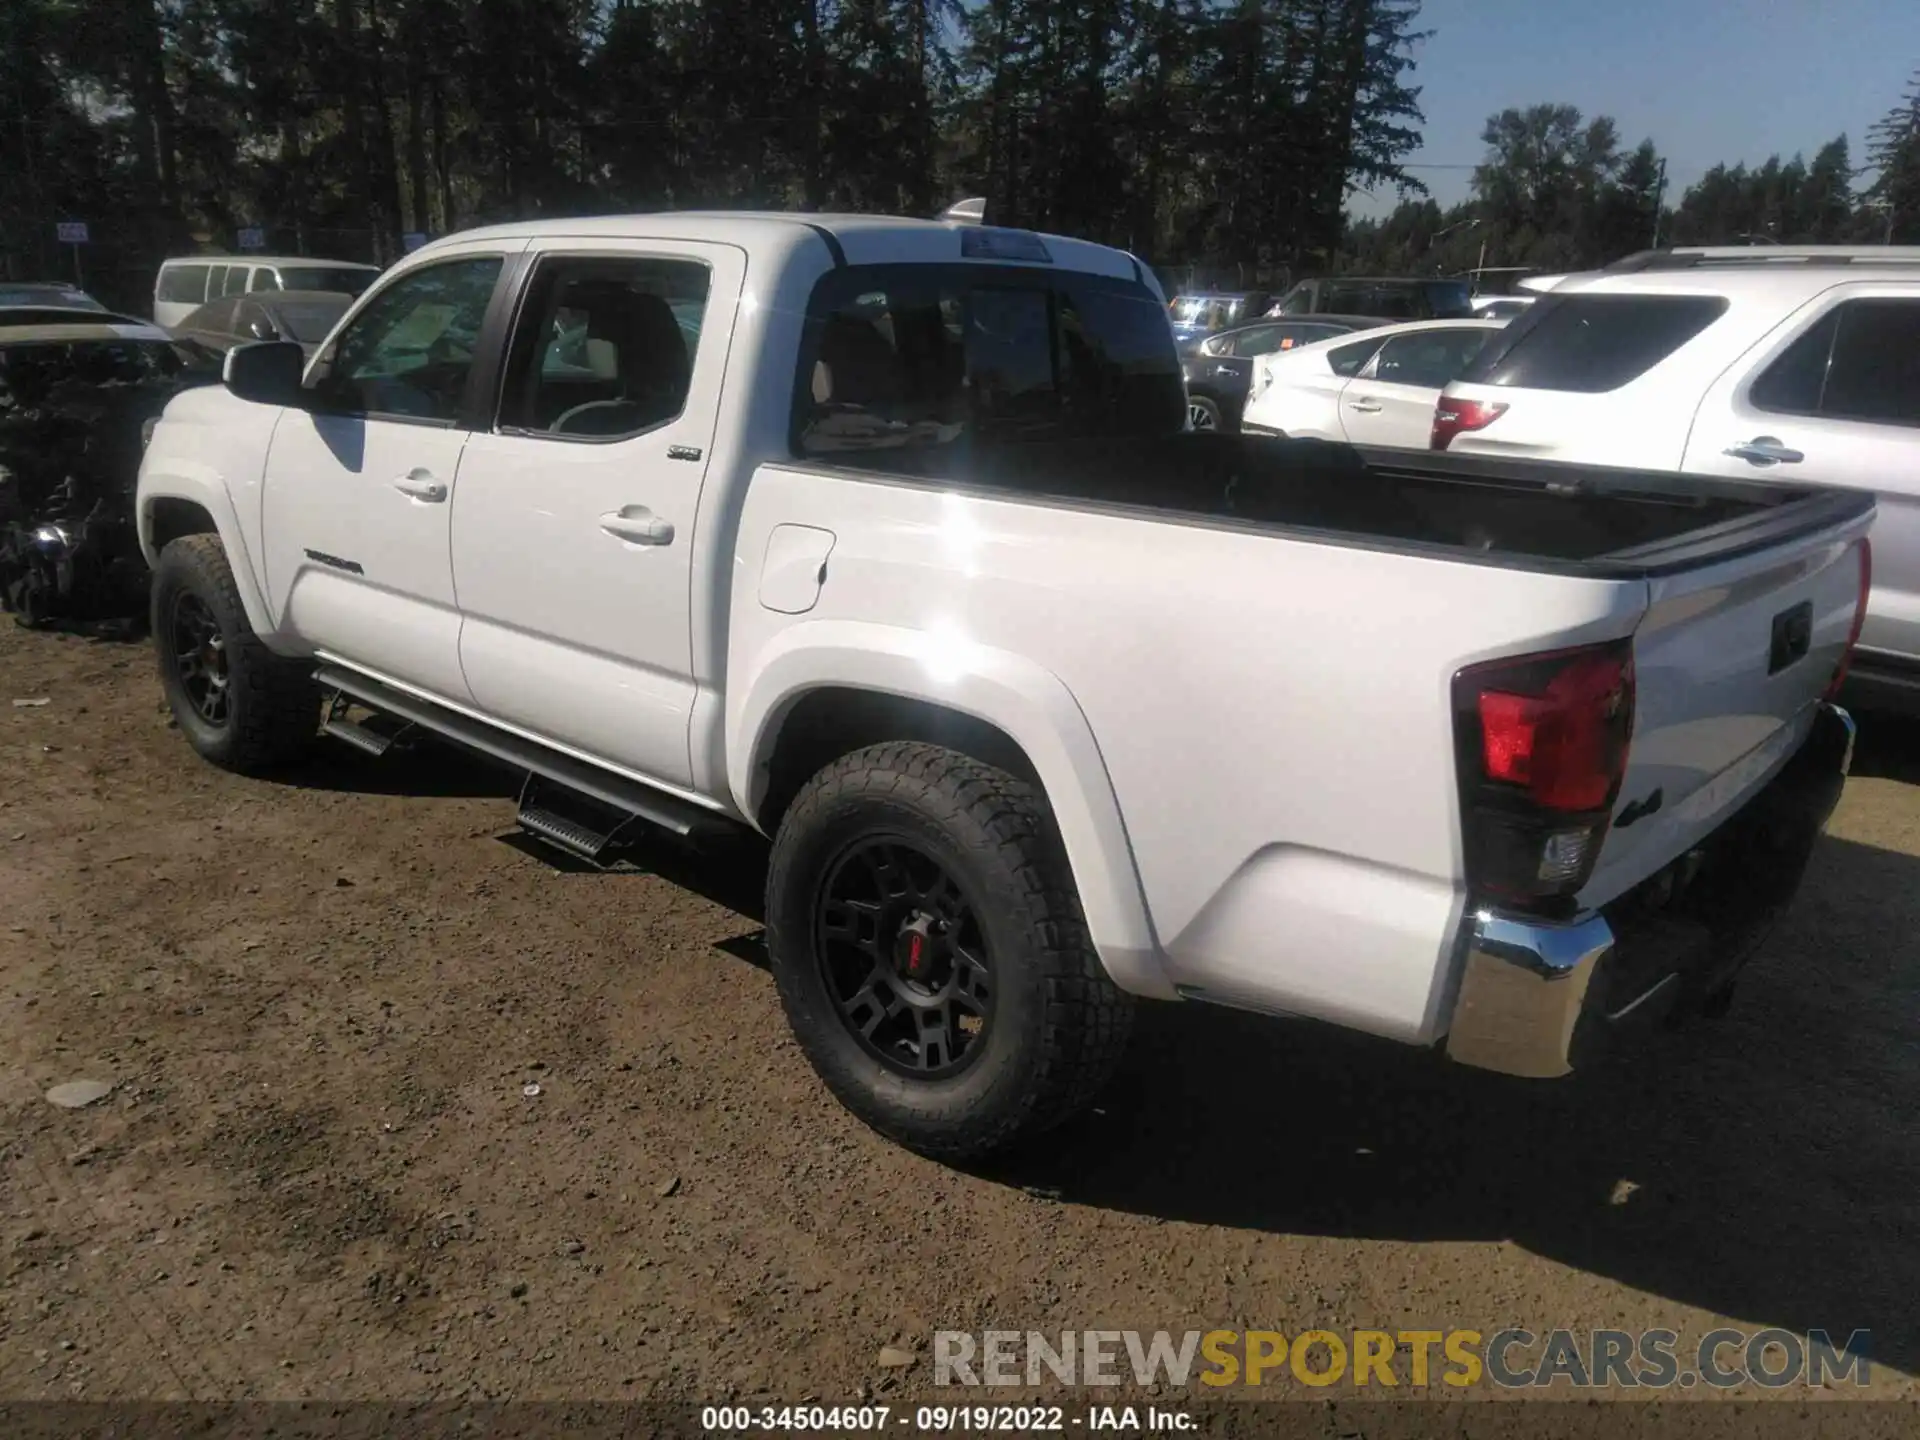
(904,958)
(200,658)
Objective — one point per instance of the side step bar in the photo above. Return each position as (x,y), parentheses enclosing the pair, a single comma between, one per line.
(628,797)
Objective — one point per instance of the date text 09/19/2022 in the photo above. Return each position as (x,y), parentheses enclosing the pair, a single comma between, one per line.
(957,1419)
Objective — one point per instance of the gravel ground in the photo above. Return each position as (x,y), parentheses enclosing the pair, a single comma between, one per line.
(325,1170)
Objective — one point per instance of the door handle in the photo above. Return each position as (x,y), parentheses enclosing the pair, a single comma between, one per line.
(1365,407)
(638,525)
(1764,450)
(421,485)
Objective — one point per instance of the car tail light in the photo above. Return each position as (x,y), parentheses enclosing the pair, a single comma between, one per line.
(1542,751)
(1456,417)
(1859,619)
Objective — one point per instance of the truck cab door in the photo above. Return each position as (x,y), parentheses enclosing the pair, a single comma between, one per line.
(1832,396)
(358,484)
(575,527)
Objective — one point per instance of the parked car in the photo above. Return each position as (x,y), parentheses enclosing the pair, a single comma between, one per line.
(1501,307)
(1046,702)
(302,316)
(77,388)
(54,295)
(1197,316)
(184,285)
(1771,363)
(1392,297)
(1376,389)
(1219,369)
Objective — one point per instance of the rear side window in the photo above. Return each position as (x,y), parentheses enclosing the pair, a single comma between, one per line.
(1589,344)
(1429,358)
(183,284)
(264,279)
(909,368)
(1860,361)
(1350,360)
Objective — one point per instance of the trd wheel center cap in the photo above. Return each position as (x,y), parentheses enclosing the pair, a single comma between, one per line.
(913,950)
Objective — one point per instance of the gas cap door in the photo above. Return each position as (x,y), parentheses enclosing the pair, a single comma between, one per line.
(795,568)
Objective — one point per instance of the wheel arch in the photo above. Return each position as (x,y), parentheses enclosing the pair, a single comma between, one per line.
(168,512)
(826,688)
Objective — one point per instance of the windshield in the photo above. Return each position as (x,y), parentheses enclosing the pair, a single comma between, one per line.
(339,279)
(57,296)
(309,321)
(30,370)
(1449,299)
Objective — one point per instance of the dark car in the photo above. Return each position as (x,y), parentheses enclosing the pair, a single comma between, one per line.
(1219,368)
(77,390)
(1389,297)
(1197,316)
(53,295)
(303,316)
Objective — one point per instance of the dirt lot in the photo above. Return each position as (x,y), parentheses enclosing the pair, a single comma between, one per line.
(324,1171)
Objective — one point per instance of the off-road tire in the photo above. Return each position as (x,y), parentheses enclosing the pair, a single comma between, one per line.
(1059,1025)
(273,706)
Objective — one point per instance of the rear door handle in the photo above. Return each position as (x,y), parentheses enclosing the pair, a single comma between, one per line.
(637,525)
(1764,450)
(421,485)
(1365,407)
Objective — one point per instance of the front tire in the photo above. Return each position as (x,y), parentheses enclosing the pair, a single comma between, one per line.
(240,706)
(931,954)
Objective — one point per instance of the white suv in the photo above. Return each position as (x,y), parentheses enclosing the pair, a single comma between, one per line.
(1800,363)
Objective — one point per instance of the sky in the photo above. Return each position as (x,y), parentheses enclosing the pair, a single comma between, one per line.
(1706,80)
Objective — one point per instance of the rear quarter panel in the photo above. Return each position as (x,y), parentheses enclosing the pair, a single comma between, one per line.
(1271,715)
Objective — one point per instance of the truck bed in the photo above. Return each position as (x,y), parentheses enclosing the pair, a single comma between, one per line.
(1568,519)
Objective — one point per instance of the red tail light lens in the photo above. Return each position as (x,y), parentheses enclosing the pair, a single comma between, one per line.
(1542,744)
(1859,619)
(1456,417)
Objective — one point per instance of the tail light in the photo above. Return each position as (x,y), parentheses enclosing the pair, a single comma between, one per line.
(1859,619)
(1542,751)
(1456,417)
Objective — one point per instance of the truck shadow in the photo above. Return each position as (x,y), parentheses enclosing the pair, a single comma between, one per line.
(1888,747)
(1762,1167)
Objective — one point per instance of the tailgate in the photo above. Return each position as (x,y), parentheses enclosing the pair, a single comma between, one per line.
(1729,663)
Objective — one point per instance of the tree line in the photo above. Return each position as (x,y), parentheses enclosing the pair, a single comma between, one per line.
(1223,135)
(1557,191)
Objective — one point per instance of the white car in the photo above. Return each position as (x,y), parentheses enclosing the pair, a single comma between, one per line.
(1757,363)
(887,539)
(1377,388)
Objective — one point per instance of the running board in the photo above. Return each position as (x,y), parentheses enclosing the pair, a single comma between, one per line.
(357,736)
(629,798)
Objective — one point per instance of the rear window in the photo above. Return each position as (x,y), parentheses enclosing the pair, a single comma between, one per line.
(182,284)
(1589,344)
(914,368)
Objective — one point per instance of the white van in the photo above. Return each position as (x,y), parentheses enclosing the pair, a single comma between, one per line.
(184,285)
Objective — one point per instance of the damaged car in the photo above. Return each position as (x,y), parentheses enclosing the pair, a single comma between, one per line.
(79,393)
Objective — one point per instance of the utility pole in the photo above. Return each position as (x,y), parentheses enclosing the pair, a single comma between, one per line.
(1659,200)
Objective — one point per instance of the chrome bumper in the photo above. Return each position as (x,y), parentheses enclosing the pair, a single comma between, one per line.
(1525,986)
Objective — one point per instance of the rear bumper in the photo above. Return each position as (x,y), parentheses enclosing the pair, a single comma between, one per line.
(1539,999)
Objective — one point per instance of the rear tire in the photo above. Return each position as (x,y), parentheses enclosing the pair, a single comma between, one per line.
(1203,415)
(240,706)
(978,875)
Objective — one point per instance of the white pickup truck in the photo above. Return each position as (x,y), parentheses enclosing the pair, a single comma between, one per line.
(886,538)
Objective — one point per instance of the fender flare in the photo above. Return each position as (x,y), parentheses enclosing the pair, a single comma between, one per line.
(1030,704)
(208,493)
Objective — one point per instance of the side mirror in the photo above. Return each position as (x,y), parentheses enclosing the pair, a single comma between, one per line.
(266,372)
(262,330)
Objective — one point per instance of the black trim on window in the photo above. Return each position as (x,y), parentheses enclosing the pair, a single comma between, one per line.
(482,401)
(832,242)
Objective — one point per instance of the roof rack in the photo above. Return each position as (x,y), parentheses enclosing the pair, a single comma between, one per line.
(1689,257)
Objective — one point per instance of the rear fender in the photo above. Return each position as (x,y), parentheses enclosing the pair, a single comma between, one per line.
(1030,704)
